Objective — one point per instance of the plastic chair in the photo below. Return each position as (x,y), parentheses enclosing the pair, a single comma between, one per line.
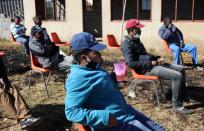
(151,79)
(120,71)
(80,127)
(167,50)
(13,39)
(112,43)
(57,41)
(35,66)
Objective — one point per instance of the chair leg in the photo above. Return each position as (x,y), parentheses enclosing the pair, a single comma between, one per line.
(29,80)
(45,84)
(161,86)
(155,88)
(48,78)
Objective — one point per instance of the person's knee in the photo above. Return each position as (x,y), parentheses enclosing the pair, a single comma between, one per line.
(177,76)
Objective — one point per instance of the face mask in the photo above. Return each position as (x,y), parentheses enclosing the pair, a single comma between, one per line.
(92,64)
(136,36)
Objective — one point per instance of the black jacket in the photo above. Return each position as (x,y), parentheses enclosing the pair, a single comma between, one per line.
(136,56)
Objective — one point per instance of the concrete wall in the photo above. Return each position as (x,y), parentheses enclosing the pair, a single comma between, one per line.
(4,27)
(193,31)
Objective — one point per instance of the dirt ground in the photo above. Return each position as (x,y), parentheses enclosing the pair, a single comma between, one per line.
(52,109)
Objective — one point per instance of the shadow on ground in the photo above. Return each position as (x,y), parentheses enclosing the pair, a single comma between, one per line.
(53,118)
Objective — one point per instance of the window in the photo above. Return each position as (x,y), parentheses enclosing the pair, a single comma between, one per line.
(51,9)
(183,9)
(140,9)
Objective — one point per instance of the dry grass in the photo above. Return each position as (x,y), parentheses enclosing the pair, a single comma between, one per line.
(52,109)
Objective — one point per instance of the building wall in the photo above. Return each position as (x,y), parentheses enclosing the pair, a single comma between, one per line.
(193,31)
(65,29)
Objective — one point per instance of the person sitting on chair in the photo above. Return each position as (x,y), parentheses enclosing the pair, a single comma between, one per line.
(47,53)
(38,24)
(18,31)
(137,58)
(92,94)
(12,101)
(174,37)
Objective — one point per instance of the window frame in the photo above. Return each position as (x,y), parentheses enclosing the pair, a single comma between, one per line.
(54,12)
(138,10)
(176,13)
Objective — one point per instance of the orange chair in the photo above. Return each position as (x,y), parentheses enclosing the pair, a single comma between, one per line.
(57,40)
(80,127)
(151,79)
(13,39)
(167,51)
(112,43)
(35,66)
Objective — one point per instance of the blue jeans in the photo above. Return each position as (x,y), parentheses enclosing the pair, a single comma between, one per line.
(175,73)
(141,123)
(187,48)
(25,41)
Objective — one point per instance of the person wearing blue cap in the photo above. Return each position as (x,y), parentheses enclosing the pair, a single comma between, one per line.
(92,95)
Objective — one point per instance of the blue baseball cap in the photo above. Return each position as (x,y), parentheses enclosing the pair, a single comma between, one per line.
(85,40)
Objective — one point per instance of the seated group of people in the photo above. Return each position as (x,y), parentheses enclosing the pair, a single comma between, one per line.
(92,94)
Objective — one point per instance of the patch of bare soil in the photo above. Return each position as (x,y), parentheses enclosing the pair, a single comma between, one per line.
(52,109)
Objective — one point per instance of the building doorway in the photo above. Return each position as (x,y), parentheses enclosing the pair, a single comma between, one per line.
(92,17)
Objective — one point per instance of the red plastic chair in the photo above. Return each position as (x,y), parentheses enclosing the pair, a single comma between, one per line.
(57,41)
(112,43)
(151,79)
(13,39)
(167,51)
(80,127)
(35,66)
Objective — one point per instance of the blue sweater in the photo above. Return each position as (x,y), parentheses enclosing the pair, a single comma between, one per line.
(92,95)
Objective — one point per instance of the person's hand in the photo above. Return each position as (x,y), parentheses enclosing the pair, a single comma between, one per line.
(112,121)
(154,63)
(181,44)
(161,60)
(170,26)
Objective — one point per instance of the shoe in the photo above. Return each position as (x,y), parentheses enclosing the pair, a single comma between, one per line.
(182,110)
(199,68)
(131,94)
(30,122)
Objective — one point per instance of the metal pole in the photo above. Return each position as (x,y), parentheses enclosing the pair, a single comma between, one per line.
(124,7)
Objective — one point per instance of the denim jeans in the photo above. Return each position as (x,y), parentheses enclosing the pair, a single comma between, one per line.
(141,123)
(25,41)
(175,73)
(187,48)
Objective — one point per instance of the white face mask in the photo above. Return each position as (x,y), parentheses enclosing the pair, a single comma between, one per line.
(136,36)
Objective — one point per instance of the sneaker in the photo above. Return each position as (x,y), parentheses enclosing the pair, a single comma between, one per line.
(182,110)
(199,68)
(30,122)
(131,94)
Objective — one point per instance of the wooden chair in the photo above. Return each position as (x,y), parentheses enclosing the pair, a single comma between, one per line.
(35,66)
(57,41)
(151,79)
(167,51)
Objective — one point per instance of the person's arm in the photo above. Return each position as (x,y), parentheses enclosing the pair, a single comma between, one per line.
(75,111)
(164,33)
(129,58)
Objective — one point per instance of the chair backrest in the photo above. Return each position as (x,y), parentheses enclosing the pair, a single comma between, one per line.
(120,71)
(143,77)
(12,38)
(55,37)
(112,41)
(35,64)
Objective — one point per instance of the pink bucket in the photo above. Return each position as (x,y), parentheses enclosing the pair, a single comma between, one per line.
(120,71)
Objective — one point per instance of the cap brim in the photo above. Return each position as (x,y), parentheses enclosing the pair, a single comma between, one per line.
(140,26)
(98,47)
